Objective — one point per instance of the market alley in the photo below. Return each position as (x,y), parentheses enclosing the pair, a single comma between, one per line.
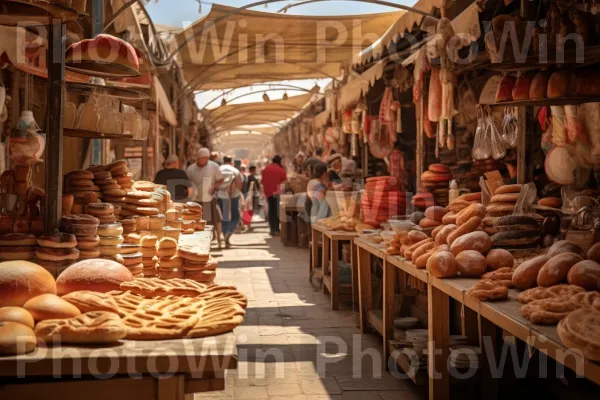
(292,345)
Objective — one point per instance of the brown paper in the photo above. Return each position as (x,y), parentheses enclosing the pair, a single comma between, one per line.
(494,181)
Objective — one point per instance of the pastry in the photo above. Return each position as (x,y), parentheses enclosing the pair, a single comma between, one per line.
(502,275)
(548,311)
(536,293)
(583,299)
(488,290)
(92,327)
(580,330)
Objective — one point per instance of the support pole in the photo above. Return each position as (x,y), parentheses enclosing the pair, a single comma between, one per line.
(54,153)
(145,144)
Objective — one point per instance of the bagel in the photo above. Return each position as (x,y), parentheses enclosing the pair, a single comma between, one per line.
(167,252)
(129,248)
(110,240)
(119,172)
(17,252)
(210,265)
(57,240)
(136,194)
(110,251)
(148,252)
(96,168)
(116,165)
(79,174)
(124,178)
(505,198)
(86,254)
(150,261)
(170,262)
(115,199)
(99,209)
(56,254)
(107,219)
(110,230)
(144,186)
(18,239)
(136,270)
(106,181)
(132,259)
(79,219)
(200,276)
(508,189)
(87,242)
(98,176)
(108,186)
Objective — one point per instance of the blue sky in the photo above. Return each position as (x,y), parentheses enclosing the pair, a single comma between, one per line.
(176,12)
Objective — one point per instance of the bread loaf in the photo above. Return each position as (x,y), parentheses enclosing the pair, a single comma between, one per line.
(587,82)
(16,338)
(449,218)
(553,202)
(516,188)
(560,83)
(50,306)
(422,250)
(585,274)
(442,264)
(421,261)
(417,236)
(505,88)
(525,275)
(436,213)
(564,246)
(478,241)
(522,85)
(470,263)
(515,238)
(499,258)
(442,235)
(539,85)
(471,225)
(436,230)
(408,252)
(429,223)
(505,198)
(17,314)
(594,253)
(474,210)
(556,269)
(96,274)
(23,280)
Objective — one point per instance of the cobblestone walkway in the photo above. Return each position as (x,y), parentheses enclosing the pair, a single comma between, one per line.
(292,345)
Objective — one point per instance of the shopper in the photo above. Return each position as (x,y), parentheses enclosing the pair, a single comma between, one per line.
(272,177)
(252,205)
(244,180)
(313,161)
(316,206)
(206,177)
(229,194)
(299,162)
(335,167)
(214,157)
(175,179)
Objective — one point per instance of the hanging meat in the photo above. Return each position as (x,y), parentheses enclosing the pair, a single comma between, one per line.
(387,114)
(397,167)
(435,96)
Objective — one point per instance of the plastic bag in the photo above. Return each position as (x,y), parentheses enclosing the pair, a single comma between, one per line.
(481,145)
(496,144)
(510,127)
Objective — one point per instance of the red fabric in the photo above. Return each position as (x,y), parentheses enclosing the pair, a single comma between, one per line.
(247,217)
(272,176)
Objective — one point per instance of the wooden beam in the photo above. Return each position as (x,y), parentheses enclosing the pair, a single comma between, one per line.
(439,339)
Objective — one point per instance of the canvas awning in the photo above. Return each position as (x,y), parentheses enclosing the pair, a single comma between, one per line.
(163,103)
(259,44)
(359,84)
(404,24)
(231,116)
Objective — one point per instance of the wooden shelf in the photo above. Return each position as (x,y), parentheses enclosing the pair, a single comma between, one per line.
(102,69)
(122,93)
(16,12)
(95,135)
(567,58)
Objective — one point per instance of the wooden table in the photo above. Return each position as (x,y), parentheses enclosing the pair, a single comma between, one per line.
(141,370)
(330,263)
(368,316)
(484,319)
(294,229)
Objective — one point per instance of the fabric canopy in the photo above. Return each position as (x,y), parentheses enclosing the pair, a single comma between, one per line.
(359,84)
(234,76)
(232,116)
(404,24)
(163,102)
(261,44)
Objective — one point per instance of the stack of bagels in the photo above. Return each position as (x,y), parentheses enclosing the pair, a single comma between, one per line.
(173,223)
(434,187)
(80,184)
(149,258)
(24,215)
(56,251)
(197,264)
(17,246)
(382,199)
(169,263)
(191,218)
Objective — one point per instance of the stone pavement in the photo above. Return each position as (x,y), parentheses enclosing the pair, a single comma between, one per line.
(292,345)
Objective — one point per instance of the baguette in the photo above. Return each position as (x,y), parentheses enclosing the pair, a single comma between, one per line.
(411,249)
(442,235)
(436,230)
(421,250)
(474,210)
(449,218)
(468,227)
(508,189)
(421,262)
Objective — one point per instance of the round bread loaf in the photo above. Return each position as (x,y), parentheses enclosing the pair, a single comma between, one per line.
(442,264)
(585,274)
(556,269)
(478,241)
(23,280)
(553,202)
(97,275)
(499,258)
(564,246)
(50,306)
(16,338)
(17,314)
(436,213)
(54,254)
(470,263)
(525,275)
(594,253)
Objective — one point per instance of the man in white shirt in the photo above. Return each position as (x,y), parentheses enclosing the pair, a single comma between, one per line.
(229,194)
(206,177)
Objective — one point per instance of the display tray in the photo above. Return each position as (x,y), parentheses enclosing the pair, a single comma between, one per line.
(122,93)
(558,101)
(16,12)
(96,135)
(102,69)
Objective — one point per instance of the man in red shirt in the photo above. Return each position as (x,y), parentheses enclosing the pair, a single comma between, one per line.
(272,177)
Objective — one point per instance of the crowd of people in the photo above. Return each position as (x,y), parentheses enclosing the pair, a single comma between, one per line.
(230,197)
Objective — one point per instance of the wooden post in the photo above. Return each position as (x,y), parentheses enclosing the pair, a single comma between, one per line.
(53,157)
(364,287)
(314,251)
(355,266)
(145,144)
(335,283)
(521,149)
(325,258)
(492,334)
(389,284)
(439,339)
(419,151)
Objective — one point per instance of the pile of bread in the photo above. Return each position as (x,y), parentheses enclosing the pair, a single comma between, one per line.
(434,187)
(98,302)
(381,200)
(20,202)
(341,223)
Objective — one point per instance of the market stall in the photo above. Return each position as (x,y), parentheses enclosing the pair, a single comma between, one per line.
(107,283)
